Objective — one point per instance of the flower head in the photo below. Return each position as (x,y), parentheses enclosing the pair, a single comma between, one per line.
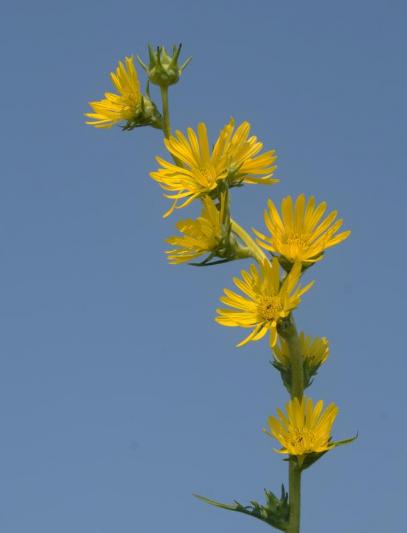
(199,170)
(266,300)
(300,234)
(124,106)
(200,236)
(305,429)
(313,351)
(243,162)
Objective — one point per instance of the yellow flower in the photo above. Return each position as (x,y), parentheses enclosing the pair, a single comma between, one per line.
(200,236)
(300,235)
(266,300)
(305,429)
(243,165)
(116,108)
(199,169)
(313,351)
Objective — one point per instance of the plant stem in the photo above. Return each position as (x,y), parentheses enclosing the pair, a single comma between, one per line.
(243,253)
(296,362)
(255,251)
(297,391)
(166,120)
(166,112)
(294,493)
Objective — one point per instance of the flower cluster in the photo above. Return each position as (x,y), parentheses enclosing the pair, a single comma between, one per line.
(296,238)
(199,171)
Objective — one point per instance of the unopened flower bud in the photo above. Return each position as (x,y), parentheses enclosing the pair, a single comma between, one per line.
(163,69)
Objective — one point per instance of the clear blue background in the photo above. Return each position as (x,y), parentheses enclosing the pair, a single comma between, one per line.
(119,395)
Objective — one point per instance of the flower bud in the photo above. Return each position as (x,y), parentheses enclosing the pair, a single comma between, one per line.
(163,69)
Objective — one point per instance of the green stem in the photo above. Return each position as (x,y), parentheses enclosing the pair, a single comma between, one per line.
(255,251)
(166,120)
(243,252)
(166,112)
(297,391)
(296,362)
(295,497)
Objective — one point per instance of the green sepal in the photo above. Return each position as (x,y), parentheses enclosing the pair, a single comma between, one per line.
(163,68)
(275,512)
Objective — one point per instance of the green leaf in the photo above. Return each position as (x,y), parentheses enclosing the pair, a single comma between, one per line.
(275,512)
(235,507)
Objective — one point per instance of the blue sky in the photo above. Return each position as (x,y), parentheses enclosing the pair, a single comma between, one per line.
(119,395)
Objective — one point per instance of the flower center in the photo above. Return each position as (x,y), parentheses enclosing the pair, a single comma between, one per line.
(269,307)
(206,175)
(297,240)
(302,440)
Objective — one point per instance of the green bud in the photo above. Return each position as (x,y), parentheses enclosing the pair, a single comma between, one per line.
(163,69)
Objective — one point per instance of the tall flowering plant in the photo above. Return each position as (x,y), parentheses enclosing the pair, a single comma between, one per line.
(270,288)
